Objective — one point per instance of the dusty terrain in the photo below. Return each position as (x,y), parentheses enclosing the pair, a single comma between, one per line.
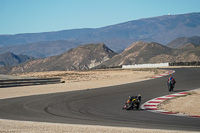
(78,80)
(75,81)
(188,104)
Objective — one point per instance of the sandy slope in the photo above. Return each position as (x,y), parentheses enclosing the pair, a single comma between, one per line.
(74,81)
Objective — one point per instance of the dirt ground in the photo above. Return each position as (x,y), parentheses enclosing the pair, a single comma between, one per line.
(189,104)
(75,81)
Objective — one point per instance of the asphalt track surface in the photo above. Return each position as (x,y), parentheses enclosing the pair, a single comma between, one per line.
(103,106)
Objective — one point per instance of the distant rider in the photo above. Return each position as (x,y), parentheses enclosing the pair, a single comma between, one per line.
(172,80)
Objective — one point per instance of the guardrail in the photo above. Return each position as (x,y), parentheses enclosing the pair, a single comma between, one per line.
(28,82)
(194,63)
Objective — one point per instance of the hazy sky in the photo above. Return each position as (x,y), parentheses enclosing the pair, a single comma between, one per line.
(31,16)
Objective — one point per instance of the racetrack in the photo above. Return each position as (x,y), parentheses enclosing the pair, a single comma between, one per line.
(103,106)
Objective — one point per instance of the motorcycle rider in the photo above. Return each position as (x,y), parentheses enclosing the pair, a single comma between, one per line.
(170,83)
(172,80)
(137,99)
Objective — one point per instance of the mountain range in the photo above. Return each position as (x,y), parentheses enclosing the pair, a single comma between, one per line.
(11,59)
(83,57)
(151,52)
(41,49)
(92,56)
(161,29)
(178,42)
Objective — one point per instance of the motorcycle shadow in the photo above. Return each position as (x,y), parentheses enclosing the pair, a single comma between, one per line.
(135,109)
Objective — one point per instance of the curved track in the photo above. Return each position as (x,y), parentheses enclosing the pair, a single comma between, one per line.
(103,106)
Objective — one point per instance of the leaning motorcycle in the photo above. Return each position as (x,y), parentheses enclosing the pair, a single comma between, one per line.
(133,103)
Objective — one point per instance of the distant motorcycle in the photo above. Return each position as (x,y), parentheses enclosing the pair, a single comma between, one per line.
(170,86)
(132,103)
(171,83)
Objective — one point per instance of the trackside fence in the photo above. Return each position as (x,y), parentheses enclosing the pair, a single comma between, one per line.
(28,82)
(194,63)
(146,65)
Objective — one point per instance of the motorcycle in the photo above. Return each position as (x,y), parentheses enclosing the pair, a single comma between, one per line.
(170,86)
(132,103)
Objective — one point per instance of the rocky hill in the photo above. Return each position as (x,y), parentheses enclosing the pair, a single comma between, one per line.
(10,59)
(83,57)
(144,52)
(178,42)
(185,53)
(188,46)
(161,29)
(139,52)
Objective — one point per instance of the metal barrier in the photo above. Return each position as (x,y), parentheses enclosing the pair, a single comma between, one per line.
(194,63)
(28,82)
